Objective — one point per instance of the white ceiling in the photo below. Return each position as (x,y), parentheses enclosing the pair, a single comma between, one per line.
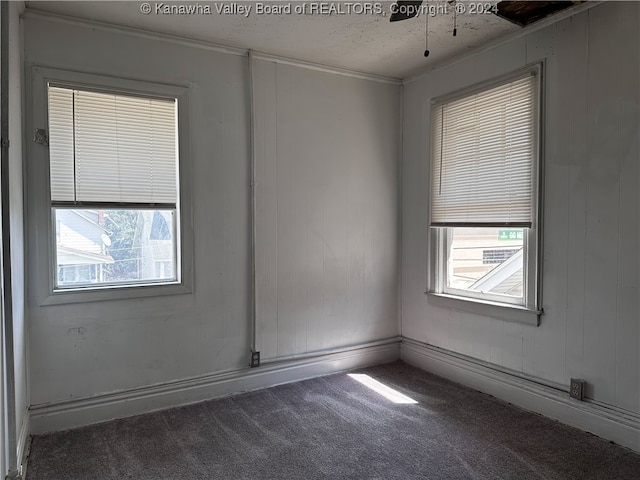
(366,43)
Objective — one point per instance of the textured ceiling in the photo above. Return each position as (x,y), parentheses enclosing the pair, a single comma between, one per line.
(365,42)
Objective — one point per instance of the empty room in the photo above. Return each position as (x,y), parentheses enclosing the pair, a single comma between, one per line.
(318,240)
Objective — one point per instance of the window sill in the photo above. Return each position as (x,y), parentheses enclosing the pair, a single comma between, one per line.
(101,294)
(501,311)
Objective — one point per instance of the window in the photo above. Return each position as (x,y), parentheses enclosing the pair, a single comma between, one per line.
(116,188)
(113,180)
(484,193)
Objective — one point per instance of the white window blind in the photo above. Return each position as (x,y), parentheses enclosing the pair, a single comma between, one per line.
(483,157)
(112,148)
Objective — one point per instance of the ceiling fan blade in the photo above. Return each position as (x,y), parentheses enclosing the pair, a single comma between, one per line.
(405,9)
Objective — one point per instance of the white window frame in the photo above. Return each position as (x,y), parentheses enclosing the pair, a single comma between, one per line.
(500,306)
(42,229)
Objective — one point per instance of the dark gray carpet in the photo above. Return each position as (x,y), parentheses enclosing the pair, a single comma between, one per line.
(334,427)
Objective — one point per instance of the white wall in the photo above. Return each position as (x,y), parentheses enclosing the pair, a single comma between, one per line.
(591,325)
(81,350)
(326,207)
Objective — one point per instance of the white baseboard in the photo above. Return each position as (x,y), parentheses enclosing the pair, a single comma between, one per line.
(617,426)
(85,411)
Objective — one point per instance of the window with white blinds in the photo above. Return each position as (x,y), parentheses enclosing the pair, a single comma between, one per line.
(484,157)
(112,148)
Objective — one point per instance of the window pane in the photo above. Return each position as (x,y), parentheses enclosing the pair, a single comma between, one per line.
(109,247)
(488,260)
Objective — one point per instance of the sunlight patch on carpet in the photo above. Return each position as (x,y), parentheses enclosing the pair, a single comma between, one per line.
(380,388)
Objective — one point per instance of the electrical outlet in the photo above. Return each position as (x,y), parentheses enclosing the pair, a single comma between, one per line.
(255,359)
(576,389)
